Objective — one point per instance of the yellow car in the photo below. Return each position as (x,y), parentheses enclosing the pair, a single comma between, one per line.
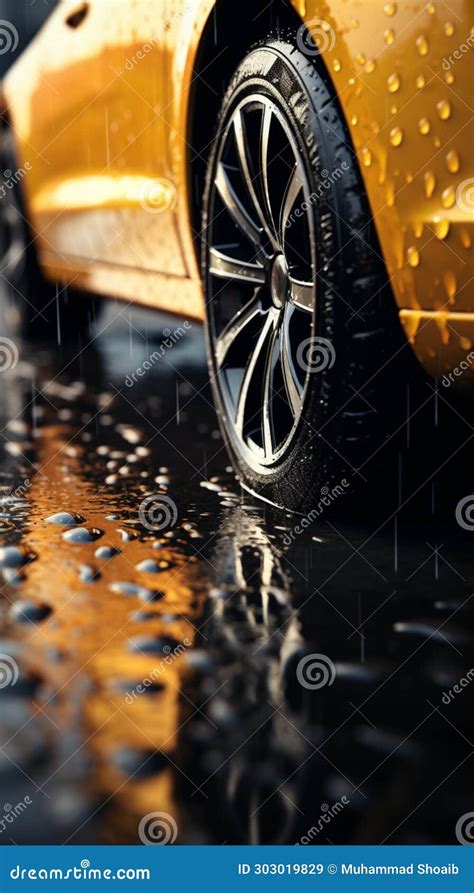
(298,174)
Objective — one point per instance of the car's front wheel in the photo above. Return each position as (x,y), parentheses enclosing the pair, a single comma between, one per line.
(300,318)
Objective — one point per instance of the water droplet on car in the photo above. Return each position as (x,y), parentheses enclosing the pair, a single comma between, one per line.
(366,156)
(393,83)
(396,136)
(430,183)
(29,612)
(448,29)
(448,197)
(65,519)
(106,552)
(422,45)
(450,284)
(389,36)
(16,556)
(441,227)
(452,161)
(79,535)
(413,256)
(424,126)
(390,9)
(420,81)
(443,107)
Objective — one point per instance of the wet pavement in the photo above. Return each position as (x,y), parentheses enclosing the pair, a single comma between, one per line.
(176,663)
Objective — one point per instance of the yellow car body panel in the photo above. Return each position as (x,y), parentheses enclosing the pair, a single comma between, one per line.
(100,111)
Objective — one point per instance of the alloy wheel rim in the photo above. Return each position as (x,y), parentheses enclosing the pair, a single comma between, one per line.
(261,280)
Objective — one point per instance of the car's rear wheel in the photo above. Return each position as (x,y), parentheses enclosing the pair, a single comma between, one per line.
(35,307)
(300,319)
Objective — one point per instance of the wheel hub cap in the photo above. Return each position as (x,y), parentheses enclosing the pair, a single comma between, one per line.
(279,281)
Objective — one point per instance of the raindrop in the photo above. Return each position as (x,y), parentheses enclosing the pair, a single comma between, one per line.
(151,566)
(88,574)
(389,36)
(449,77)
(465,238)
(449,29)
(366,156)
(413,256)
(371,65)
(420,82)
(336,65)
(424,126)
(390,9)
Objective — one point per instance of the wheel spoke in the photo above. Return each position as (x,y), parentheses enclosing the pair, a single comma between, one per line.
(302,295)
(230,268)
(268,435)
(241,141)
(235,207)
(264,141)
(235,327)
(250,371)
(294,187)
(292,385)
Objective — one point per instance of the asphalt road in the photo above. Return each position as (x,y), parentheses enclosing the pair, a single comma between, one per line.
(178,662)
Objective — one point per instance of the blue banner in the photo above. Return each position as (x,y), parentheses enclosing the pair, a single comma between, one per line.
(176,869)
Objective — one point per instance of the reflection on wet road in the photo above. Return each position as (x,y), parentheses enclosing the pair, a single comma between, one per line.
(168,648)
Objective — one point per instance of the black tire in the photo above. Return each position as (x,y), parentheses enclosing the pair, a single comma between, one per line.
(36,307)
(355,338)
